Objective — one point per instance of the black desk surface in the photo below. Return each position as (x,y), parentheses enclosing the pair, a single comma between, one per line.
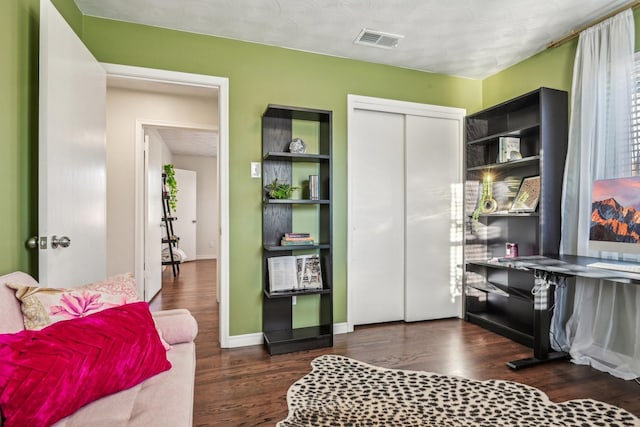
(569,265)
(547,267)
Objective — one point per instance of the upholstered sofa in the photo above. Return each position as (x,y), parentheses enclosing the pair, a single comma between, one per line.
(165,399)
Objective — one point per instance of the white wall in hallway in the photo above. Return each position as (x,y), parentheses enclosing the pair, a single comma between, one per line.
(207,204)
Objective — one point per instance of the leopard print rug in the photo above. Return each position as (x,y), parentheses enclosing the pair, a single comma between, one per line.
(344,392)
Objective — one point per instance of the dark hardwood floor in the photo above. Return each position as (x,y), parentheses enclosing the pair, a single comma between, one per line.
(247,387)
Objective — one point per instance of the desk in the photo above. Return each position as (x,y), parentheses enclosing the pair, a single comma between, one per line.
(547,271)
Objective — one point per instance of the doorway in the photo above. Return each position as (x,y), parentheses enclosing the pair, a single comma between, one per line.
(192,150)
(195,84)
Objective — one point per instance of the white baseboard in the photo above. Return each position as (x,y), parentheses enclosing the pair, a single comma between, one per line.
(206,256)
(341,328)
(245,340)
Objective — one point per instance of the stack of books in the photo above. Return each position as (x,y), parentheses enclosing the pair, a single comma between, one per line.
(296,239)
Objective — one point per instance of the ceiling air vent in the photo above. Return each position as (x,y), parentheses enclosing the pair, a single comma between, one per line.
(377,39)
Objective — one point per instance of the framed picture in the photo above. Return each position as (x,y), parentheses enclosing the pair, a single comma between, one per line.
(508,149)
(528,195)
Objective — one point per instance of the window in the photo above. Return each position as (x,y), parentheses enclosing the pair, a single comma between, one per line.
(635,122)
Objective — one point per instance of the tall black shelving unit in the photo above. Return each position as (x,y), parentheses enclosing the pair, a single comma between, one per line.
(498,298)
(280,335)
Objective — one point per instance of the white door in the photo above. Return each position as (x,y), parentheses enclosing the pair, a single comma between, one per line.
(153,214)
(433,242)
(405,211)
(376,274)
(72,171)
(186,225)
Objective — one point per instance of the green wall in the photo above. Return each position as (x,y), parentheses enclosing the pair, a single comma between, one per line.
(71,13)
(552,68)
(258,75)
(19,33)
(18,132)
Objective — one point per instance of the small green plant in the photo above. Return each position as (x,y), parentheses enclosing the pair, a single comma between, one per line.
(172,184)
(278,190)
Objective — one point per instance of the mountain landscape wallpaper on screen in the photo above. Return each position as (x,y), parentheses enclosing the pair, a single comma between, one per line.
(615,210)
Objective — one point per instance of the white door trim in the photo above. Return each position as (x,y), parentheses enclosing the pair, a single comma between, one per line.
(358,102)
(222,83)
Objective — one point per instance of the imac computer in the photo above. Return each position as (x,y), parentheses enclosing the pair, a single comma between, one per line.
(615,216)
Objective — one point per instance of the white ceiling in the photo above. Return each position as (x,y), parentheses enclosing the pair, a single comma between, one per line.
(190,142)
(467,38)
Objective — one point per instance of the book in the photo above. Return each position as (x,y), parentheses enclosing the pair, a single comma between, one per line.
(471,196)
(292,239)
(296,235)
(509,149)
(284,242)
(291,273)
(297,239)
(282,273)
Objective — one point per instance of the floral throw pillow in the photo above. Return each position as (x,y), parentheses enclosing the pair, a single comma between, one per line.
(42,307)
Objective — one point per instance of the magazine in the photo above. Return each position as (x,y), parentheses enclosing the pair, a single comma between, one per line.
(291,273)
(309,272)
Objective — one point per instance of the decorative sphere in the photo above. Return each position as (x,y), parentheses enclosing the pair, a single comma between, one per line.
(297,146)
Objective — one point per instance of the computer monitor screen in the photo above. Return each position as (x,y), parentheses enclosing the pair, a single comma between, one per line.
(615,215)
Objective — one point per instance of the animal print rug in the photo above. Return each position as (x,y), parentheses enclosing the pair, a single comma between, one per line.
(344,392)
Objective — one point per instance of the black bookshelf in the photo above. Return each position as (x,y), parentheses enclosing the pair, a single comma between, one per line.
(496,298)
(280,336)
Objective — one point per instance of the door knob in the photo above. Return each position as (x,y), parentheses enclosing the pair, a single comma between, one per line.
(36,242)
(32,242)
(63,242)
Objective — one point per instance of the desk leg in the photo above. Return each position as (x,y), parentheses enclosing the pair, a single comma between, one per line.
(542,300)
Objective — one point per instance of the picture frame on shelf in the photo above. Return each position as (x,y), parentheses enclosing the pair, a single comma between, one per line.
(508,149)
(309,272)
(528,195)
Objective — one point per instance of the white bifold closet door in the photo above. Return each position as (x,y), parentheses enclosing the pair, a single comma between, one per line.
(376,255)
(405,216)
(433,208)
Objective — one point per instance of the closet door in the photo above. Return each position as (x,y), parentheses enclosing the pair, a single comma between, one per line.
(433,234)
(405,211)
(376,246)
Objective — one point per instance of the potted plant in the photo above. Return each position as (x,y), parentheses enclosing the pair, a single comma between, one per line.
(172,185)
(279,190)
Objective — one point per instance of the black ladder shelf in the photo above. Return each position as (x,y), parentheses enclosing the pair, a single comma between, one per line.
(171,239)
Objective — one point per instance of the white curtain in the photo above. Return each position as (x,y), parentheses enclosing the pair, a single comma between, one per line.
(598,321)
